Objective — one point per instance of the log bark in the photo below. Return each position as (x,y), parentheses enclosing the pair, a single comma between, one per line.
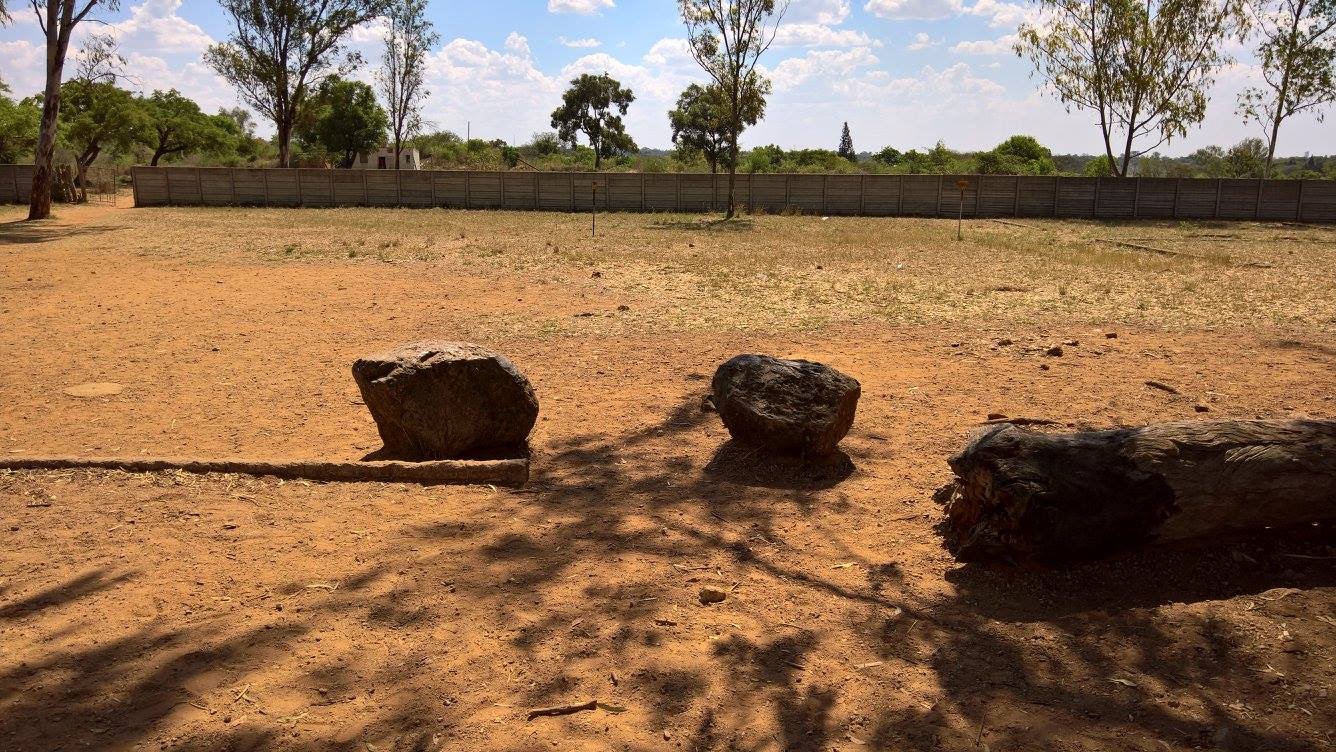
(1023,495)
(510,472)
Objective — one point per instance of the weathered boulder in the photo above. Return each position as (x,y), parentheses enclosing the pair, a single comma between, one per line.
(785,406)
(443,400)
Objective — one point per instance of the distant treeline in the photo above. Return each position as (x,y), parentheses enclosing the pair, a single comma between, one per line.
(103,124)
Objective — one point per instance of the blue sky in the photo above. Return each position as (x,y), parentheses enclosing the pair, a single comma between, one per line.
(901,72)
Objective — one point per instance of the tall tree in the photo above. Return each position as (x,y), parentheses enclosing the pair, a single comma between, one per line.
(176,126)
(700,122)
(57,19)
(1145,67)
(594,105)
(1298,53)
(846,149)
(408,39)
(97,116)
(344,119)
(280,50)
(727,39)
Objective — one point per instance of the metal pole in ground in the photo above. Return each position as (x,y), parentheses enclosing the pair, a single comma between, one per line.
(593,208)
(962,184)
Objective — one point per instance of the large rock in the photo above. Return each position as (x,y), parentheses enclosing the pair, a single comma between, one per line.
(785,406)
(443,400)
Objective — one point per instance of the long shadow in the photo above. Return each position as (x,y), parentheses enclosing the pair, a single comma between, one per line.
(80,587)
(748,466)
(706,225)
(24,232)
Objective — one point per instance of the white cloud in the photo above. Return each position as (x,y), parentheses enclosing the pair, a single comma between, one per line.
(1003,14)
(154,26)
(583,7)
(25,67)
(670,52)
(923,42)
(822,12)
(913,10)
(820,35)
(585,43)
(999,46)
(796,71)
(517,43)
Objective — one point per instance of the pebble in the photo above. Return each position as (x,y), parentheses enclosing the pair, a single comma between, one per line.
(712,595)
(1054,351)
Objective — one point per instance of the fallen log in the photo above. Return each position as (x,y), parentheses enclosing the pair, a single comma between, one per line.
(506,472)
(1023,495)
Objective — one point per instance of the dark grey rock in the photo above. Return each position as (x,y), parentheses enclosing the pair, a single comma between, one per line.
(444,400)
(785,406)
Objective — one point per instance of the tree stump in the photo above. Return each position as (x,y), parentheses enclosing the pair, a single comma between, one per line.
(1021,495)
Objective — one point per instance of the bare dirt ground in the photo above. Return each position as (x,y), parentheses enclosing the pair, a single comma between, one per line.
(166,611)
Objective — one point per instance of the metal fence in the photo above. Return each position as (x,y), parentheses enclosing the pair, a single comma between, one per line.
(866,195)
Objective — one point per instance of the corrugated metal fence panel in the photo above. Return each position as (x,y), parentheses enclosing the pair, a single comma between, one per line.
(870,195)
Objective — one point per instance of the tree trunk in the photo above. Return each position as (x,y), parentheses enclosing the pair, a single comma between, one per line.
(1020,495)
(284,144)
(157,154)
(39,206)
(732,173)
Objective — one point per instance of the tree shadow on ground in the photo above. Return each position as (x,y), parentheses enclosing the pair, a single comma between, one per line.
(1016,659)
(748,466)
(705,225)
(25,232)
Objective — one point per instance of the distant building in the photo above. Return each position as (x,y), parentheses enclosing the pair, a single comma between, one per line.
(384,160)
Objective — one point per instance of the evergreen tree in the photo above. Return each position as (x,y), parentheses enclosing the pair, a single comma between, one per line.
(846,149)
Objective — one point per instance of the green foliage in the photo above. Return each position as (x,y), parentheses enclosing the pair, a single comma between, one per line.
(701,122)
(19,122)
(888,156)
(1144,67)
(176,128)
(1018,155)
(95,116)
(343,120)
(594,105)
(1297,50)
(846,149)
(1101,166)
(279,50)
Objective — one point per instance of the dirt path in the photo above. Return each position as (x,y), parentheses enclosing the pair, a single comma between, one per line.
(228,613)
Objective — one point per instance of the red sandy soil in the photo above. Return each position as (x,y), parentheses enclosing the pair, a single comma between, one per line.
(167,611)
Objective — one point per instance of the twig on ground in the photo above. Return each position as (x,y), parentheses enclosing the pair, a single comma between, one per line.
(1021,422)
(563,709)
(1161,386)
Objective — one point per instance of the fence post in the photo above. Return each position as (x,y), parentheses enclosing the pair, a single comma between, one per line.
(642,191)
(1299,204)
(1136,197)
(1178,183)
(940,180)
(435,202)
(1257,209)
(1099,180)
(467,200)
(825,179)
(199,185)
(503,189)
(900,198)
(300,200)
(1016,198)
(677,187)
(1219,188)
(571,175)
(232,175)
(788,190)
(264,174)
(1056,182)
(333,199)
(18,195)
